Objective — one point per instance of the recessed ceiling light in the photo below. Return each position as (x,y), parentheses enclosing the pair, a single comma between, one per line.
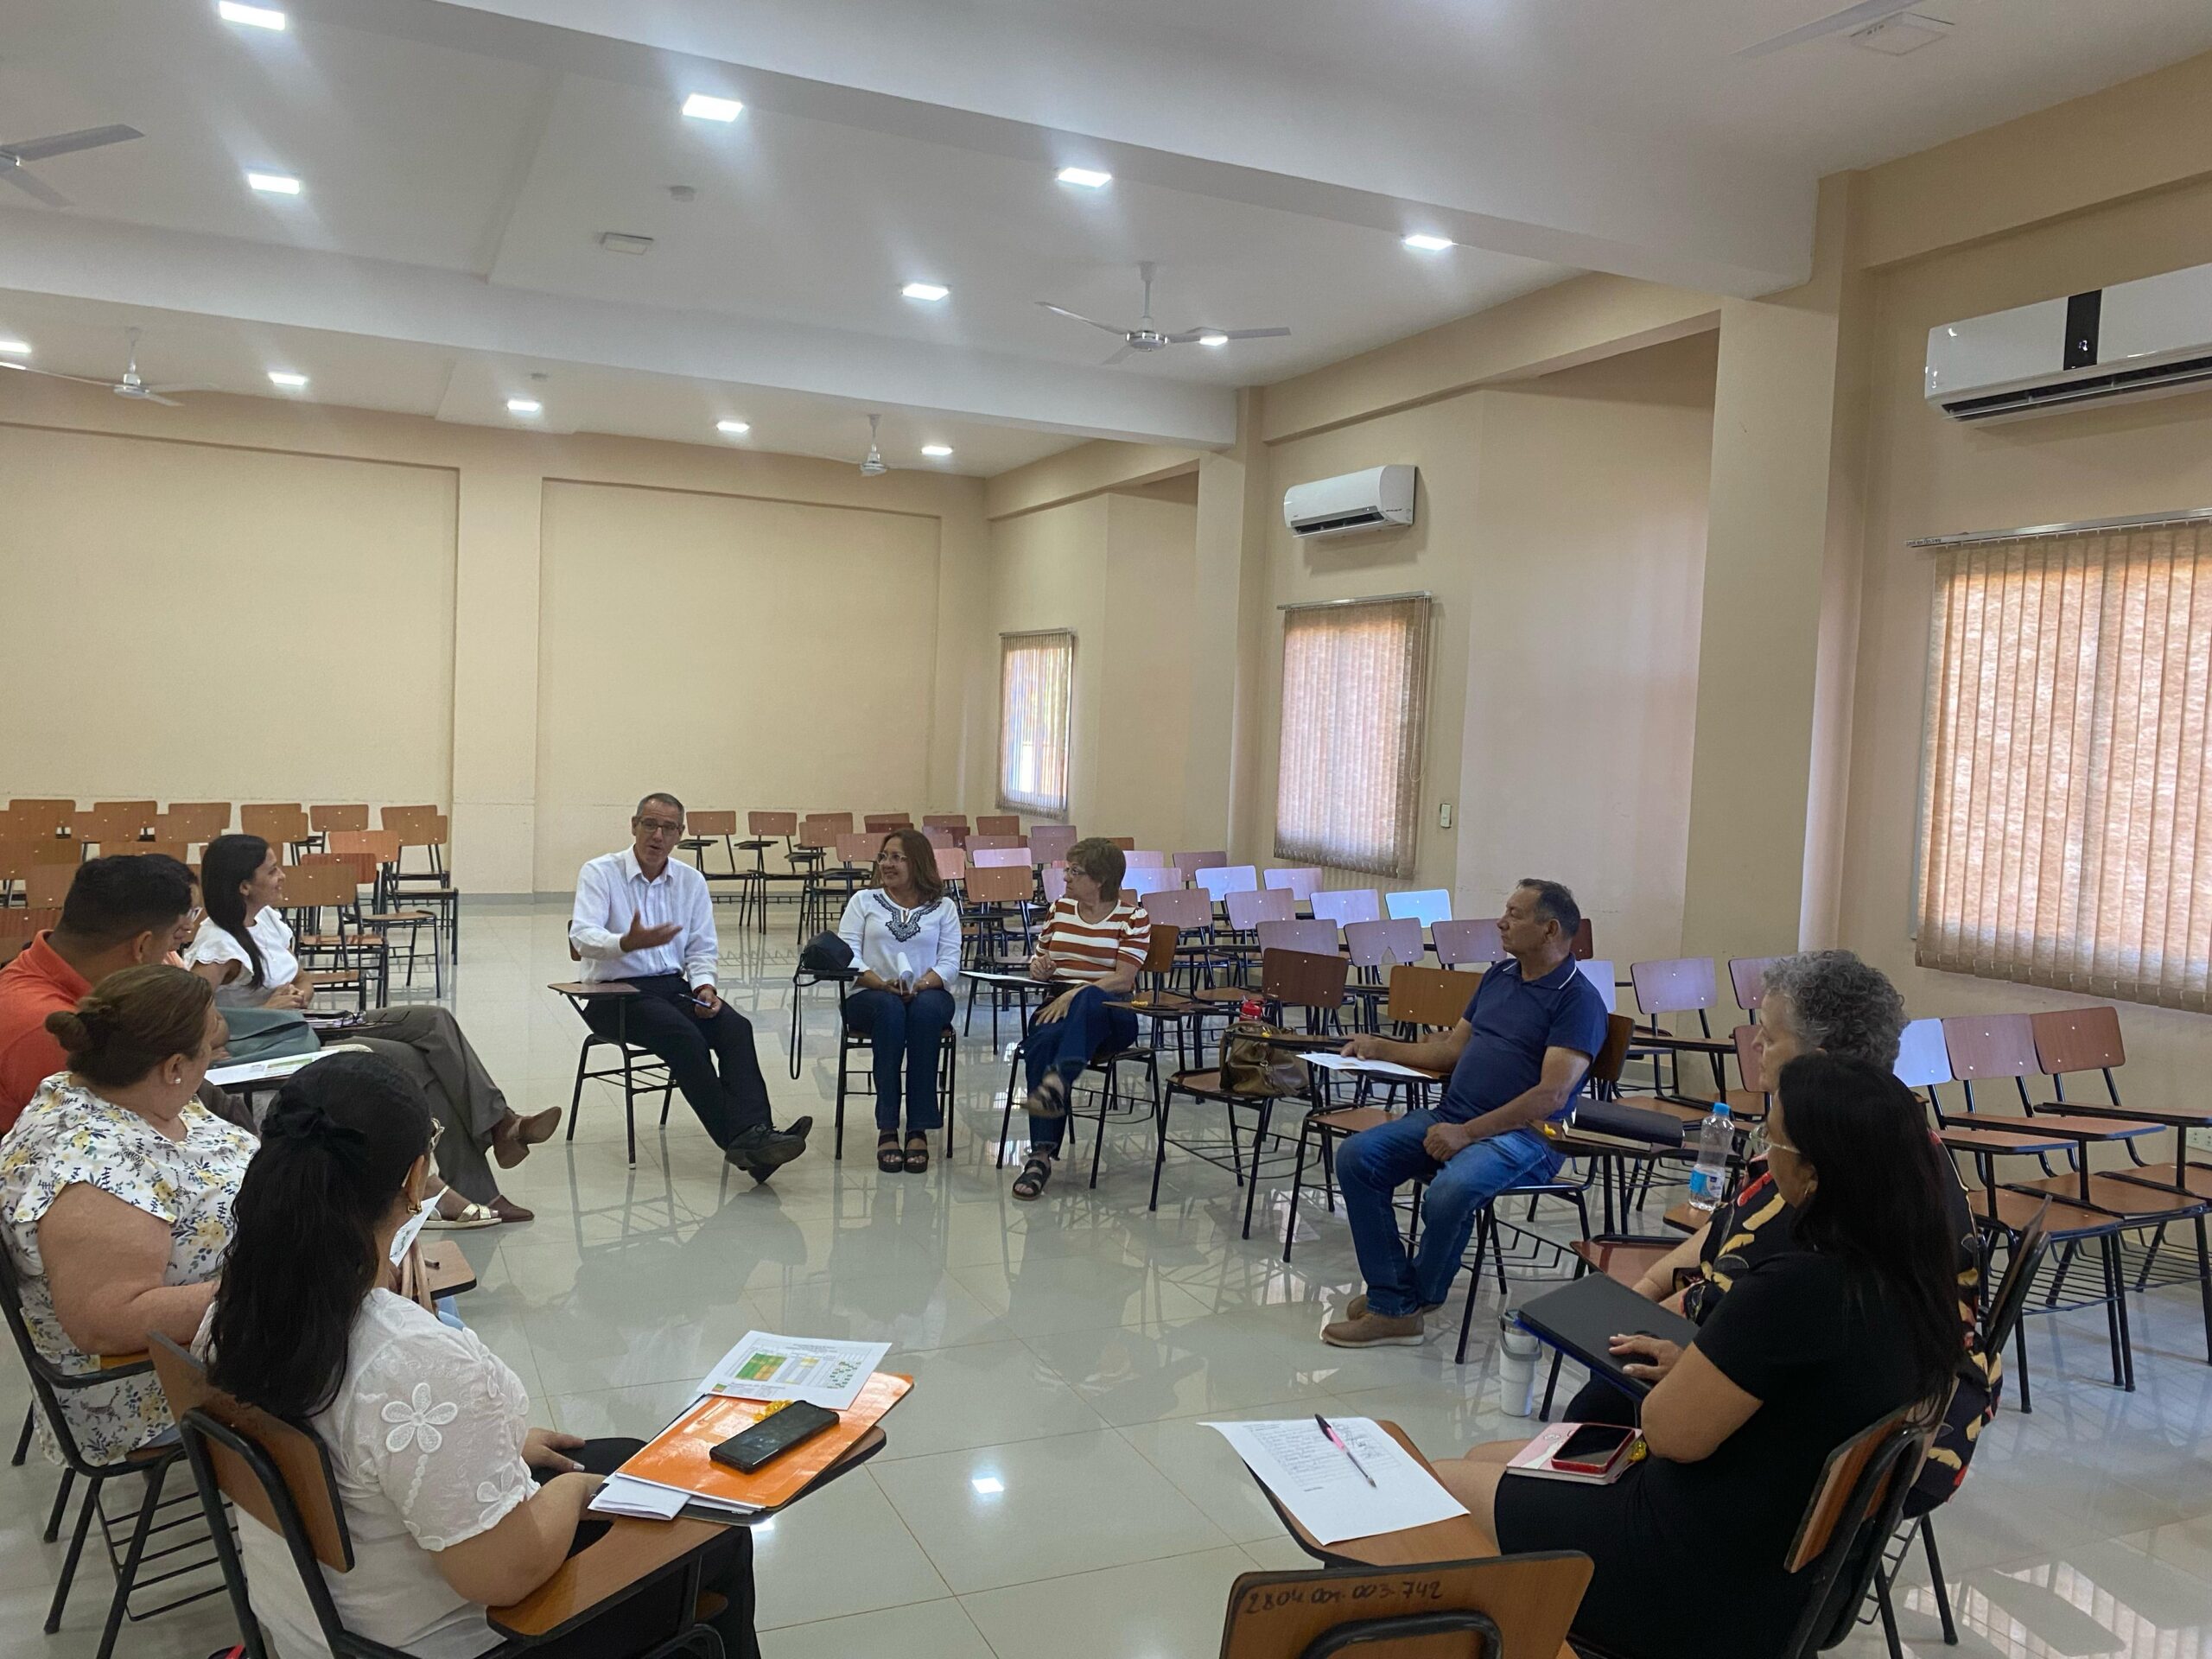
(523,406)
(1088,178)
(936,451)
(931,291)
(1213,337)
(252,17)
(273,184)
(700,106)
(285,377)
(14,348)
(734,429)
(988,1486)
(1423,242)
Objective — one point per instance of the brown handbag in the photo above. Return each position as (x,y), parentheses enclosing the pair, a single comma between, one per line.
(1251,1065)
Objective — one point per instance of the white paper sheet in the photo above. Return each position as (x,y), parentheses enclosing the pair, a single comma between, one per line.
(765,1366)
(226,1076)
(649,1500)
(1316,1482)
(1372,1068)
(408,1229)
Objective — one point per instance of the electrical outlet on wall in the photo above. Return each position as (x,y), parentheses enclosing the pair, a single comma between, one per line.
(1444,815)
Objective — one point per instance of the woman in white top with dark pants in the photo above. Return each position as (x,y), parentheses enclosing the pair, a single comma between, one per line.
(904,933)
(451,1501)
(243,947)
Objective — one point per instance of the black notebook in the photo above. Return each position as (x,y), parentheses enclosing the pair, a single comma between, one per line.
(1581,1318)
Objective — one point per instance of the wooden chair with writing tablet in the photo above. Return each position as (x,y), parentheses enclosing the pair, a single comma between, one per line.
(1502,1608)
(281,1475)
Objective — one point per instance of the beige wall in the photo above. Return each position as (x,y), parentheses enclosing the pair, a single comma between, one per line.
(402,641)
(1583,666)
(1117,569)
(193,621)
(1931,476)
(789,644)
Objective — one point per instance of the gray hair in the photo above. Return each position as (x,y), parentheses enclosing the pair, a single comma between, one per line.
(662,796)
(1555,904)
(1840,1005)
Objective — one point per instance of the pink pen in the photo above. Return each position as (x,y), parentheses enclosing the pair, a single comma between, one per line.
(1337,1440)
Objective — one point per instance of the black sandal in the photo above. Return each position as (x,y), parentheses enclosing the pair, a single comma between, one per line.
(1049,1098)
(918,1153)
(888,1158)
(1034,1173)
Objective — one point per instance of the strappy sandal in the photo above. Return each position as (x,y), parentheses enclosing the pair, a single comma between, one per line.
(472,1215)
(1035,1173)
(888,1158)
(1049,1098)
(917,1155)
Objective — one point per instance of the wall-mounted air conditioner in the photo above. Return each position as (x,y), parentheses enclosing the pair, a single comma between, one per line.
(2142,339)
(1377,499)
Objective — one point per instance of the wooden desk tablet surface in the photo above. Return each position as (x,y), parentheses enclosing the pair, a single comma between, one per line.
(1459,1539)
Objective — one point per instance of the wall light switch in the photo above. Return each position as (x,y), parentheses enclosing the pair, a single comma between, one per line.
(1444,815)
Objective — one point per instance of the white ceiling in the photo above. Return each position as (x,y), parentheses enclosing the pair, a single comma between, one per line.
(462,158)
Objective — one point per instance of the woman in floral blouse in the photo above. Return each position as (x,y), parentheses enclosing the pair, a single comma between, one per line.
(451,1501)
(115,1194)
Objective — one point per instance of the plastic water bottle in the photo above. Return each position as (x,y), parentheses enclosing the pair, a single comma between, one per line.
(1249,1010)
(1517,1348)
(1715,1137)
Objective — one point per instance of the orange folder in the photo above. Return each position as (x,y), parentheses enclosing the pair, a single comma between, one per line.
(680,1455)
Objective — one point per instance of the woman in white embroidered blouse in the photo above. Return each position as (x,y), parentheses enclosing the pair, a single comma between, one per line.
(904,933)
(453,1502)
(115,1190)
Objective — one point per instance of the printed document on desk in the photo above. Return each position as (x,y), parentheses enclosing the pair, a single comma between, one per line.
(1371,1068)
(765,1366)
(1319,1485)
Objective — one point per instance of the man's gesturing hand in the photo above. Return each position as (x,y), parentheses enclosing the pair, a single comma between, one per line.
(641,937)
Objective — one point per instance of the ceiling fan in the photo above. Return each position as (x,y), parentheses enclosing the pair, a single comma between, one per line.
(873,465)
(16,157)
(1147,337)
(1867,15)
(131,385)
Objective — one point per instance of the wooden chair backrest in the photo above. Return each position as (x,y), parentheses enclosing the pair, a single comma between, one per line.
(1192,863)
(1990,1045)
(1248,910)
(998,823)
(1222,879)
(139,812)
(1300,979)
(174,849)
(944,820)
(325,879)
(1833,1504)
(1341,905)
(1184,907)
(1428,906)
(1399,938)
(882,823)
(2003,1314)
(18,923)
(1520,1605)
(1923,1060)
(1747,978)
(1160,956)
(48,884)
(1000,884)
(300,1459)
(992,843)
(198,820)
(1004,858)
(771,823)
(1430,996)
(1599,973)
(821,831)
(1298,880)
(1053,878)
(1049,843)
(1466,940)
(951,864)
(327,818)
(414,825)
(859,849)
(710,823)
(381,845)
(1605,1066)
(1148,879)
(1144,858)
(278,824)
(938,835)
(2078,1039)
(1675,985)
(1315,939)
(841,823)
(1586,941)
(45,815)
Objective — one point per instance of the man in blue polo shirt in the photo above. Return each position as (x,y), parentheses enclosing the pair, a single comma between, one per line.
(1517,1058)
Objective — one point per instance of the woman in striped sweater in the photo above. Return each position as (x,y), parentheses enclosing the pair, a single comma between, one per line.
(1094,943)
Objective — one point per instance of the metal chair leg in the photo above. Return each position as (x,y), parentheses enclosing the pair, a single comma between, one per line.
(1159,1146)
(76,1551)
(24,1441)
(127,1575)
(1935,1575)
(1889,1616)
(60,1505)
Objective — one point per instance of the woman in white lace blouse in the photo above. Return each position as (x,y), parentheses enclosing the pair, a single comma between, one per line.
(453,1502)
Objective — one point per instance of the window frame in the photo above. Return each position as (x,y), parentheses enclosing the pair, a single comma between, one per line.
(1040,805)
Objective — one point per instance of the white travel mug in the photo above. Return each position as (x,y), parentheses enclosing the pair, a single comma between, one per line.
(1516,1367)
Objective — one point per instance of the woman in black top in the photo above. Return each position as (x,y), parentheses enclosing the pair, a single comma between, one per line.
(1809,1348)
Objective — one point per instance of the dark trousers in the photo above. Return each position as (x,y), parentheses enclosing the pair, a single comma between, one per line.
(906,1037)
(652,1616)
(662,1018)
(1091,1027)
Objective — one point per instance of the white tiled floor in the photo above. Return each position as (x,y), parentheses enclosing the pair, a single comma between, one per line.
(1069,1348)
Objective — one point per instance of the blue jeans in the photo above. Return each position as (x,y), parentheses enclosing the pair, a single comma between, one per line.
(1375,1163)
(905,1036)
(1091,1027)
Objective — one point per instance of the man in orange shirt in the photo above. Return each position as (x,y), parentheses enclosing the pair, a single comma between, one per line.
(120,913)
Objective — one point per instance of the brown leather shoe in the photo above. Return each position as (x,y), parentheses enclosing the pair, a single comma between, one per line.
(1373,1330)
(513,1140)
(1356,1308)
(507,1209)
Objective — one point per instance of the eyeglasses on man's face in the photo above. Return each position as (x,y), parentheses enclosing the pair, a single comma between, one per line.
(657,826)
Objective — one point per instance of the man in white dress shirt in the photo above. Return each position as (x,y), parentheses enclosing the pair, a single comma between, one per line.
(646,918)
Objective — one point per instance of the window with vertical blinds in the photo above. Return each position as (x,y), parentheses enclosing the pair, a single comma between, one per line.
(1355,686)
(1036,672)
(2067,809)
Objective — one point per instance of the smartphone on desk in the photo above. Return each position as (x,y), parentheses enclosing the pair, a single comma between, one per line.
(1591,1449)
(774,1435)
